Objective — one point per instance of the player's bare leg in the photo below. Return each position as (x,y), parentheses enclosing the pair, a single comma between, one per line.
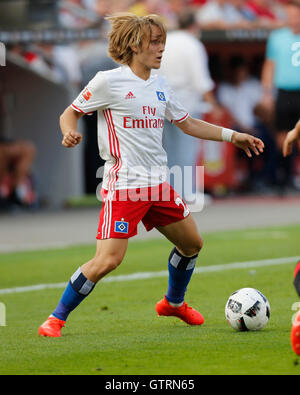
(109,255)
(184,235)
(188,243)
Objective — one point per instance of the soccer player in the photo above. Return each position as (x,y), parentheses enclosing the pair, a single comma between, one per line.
(292,138)
(132,104)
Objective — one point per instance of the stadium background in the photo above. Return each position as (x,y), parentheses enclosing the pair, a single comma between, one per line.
(53,48)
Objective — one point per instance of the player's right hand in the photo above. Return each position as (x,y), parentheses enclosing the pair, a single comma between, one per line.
(71,139)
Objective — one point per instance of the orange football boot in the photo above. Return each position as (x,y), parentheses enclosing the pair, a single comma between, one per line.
(295,334)
(51,327)
(184,312)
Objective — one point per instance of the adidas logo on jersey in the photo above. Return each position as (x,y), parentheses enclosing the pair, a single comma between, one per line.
(130,95)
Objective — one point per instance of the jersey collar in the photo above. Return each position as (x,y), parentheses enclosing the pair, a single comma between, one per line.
(128,70)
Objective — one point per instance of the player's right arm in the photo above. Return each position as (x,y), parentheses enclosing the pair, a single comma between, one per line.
(95,96)
(69,124)
(292,137)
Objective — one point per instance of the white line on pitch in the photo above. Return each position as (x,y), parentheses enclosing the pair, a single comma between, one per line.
(165,273)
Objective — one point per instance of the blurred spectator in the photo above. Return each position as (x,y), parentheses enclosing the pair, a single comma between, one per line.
(246,13)
(197,3)
(34,59)
(174,10)
(261,9)
(278,9)
(281,83)
(107,7)
(185,65)
(178,6)
(67,64)
(102,8)
(145,7)
(89,4)
(242,95)
(58,62)
(240,14)
(224,14)
(168,10)
(266,13)
(74,15)
(16,158)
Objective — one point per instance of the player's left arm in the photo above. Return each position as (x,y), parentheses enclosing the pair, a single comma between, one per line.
(207,131)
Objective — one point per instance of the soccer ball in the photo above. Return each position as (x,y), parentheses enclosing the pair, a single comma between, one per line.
(247,310)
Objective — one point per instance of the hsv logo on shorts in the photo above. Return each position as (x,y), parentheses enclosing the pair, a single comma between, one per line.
(161,96)
(121,227)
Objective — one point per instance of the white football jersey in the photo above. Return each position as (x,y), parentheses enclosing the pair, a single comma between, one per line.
(131,117)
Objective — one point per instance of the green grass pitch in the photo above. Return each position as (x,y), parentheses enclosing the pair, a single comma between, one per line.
(116,330)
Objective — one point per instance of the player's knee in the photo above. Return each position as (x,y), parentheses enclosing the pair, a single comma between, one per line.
(107,263)
(112,263)
(194,248)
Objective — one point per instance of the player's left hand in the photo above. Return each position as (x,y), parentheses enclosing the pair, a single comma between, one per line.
(291,138)
(248,143)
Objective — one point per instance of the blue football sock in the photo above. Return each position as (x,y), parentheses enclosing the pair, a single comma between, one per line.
(180,272)
(77,290)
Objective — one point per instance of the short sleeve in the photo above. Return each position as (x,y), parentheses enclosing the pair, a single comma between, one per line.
(95,96)
(175,111)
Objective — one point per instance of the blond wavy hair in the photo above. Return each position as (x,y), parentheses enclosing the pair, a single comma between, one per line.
(129,31)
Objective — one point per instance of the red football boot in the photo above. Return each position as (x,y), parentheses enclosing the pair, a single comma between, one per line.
(184,312)
(295,334)
(51,327)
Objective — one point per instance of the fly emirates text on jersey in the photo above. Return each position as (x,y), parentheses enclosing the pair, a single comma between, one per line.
(145,122)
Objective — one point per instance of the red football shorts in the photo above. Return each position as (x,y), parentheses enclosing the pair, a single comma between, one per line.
(122,210)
